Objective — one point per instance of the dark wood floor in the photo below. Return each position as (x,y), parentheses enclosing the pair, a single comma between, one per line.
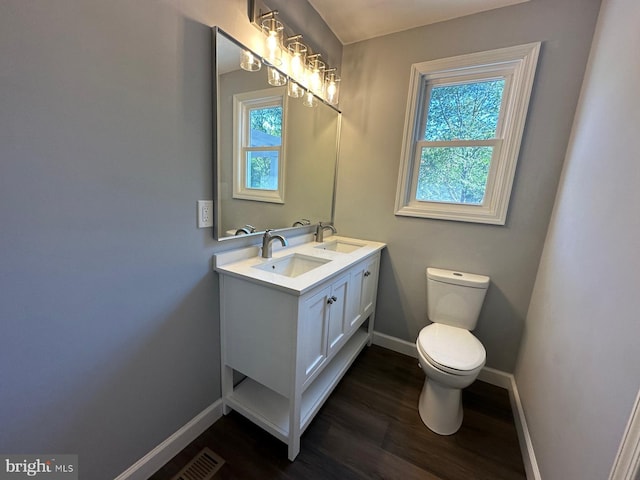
(370,428)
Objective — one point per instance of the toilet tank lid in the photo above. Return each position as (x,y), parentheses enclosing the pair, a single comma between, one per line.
(458,278)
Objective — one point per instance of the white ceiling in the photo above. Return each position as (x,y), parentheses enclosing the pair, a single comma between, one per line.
(356,20)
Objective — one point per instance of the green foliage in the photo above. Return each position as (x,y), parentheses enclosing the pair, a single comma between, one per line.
(453,174)
(459,112)
(464,112)
(267,120)
(262,171)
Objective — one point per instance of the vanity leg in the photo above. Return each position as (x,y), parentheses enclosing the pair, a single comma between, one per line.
(294,427)
(294,449)
(227,387)
(370,329)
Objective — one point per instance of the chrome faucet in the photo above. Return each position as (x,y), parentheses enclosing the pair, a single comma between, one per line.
(267,238)
(320,231)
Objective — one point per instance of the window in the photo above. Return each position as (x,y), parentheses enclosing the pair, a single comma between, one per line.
(464,124)
(259,160)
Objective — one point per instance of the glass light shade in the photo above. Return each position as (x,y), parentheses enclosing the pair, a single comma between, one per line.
(316,74)
(295,90)
(249,62)
(332,88)
(273,29)
(298,53)
(275,77)
(309,99)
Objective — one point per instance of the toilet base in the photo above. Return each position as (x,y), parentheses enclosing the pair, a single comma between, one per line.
(440,408)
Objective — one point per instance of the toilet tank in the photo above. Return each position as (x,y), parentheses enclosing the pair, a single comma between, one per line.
(455,298)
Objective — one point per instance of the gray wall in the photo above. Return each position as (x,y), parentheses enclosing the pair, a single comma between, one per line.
(579,368)
(108,341)
(108,305)
(373,100)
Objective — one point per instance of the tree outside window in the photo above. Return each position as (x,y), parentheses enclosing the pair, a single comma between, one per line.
(458,174)
(265,130)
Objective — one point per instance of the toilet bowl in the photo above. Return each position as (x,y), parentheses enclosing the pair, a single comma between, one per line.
(451,359)
(449,354)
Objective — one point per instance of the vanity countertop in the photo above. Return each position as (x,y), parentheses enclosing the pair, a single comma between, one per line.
(242,263)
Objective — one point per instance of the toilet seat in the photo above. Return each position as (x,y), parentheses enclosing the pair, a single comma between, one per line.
(451,349)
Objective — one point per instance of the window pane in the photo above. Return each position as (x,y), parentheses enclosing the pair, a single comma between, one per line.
(453,174)
(262,170)
(265,127)
(465,111)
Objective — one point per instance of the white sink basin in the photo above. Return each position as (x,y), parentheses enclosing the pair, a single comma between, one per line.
(292,265)
(340,246)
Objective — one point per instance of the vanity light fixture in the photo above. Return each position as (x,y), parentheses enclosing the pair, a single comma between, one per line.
(272,29)
(332,89)
(249,62)
(298,64)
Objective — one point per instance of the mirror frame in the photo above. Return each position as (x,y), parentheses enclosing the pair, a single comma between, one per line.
(216,144)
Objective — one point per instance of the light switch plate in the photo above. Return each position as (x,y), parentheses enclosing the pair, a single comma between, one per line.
(205,213)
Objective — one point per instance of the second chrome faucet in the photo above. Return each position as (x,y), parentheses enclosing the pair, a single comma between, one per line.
(320,231)
(267,239)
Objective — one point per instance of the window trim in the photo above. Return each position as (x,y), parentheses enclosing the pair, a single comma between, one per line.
(242,103)
(517,65)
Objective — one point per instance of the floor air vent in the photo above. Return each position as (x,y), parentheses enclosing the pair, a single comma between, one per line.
(202,467)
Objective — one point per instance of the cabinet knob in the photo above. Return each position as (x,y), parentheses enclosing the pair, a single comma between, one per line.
(332,299)
(367,273)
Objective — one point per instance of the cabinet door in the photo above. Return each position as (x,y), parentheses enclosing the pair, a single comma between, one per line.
(338,313)
(369,286)
(313,319)
(364,279)
(354,309)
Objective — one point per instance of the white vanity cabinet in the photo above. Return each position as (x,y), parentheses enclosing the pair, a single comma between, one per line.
(292,348)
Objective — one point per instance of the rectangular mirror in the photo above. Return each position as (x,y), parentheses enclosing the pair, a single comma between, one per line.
(274,159)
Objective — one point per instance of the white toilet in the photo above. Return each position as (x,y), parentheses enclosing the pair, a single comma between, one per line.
(449,354)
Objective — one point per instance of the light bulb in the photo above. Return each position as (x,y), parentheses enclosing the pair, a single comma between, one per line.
(331,91)
(296,65)
(298,53)
(316,74)
(315,80)
(272,41)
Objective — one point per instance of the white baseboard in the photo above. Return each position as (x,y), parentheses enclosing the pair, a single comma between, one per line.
(496,377)
(524,437)
(493,377)
(626,466)
(160,455)
(395,344)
